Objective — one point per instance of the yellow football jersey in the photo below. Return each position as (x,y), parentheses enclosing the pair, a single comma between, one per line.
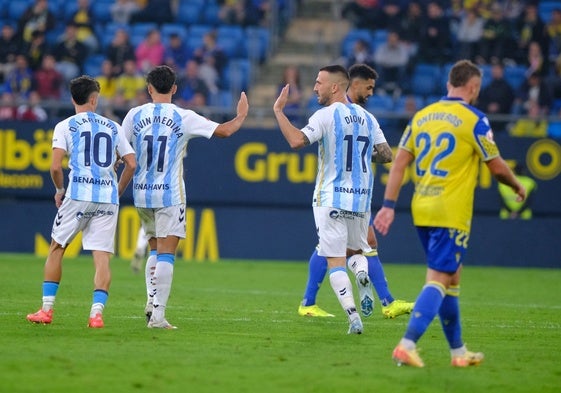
(448,139)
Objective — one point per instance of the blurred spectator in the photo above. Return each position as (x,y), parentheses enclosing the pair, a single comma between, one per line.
(390,15)
(528,28)
(19,81)
(361,53)
(231,12)
(84,21)
(154,11)
(532,124)
(553,30)
(122,10)
(120,51)
(47,81)
(497,41)
(512,9)
(293,108)
(31,110)
(107,83)
(176,53)
(210,53)
(256,12)
(36,17)
(535,60)
(533,91)
(9,48)
(129,84)
(150,52)
(410,26)
(35,50)
(410,107)
(434,45)
(192,91)
(70,53)
(497,97)
(392,59)
(469,33)
(363,14)
(7,107)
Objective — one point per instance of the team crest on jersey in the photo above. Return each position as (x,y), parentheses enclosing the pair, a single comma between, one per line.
(334,213)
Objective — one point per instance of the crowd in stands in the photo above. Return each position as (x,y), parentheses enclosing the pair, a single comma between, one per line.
(46,43)
(517,44)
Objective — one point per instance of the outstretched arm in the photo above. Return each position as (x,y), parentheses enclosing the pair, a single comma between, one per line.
(295,137)
(228,128)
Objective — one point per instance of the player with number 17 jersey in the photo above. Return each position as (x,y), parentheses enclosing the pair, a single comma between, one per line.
(159,133)
(348,133)
(88,139)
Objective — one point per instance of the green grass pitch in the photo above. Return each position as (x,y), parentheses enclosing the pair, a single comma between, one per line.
(239,332)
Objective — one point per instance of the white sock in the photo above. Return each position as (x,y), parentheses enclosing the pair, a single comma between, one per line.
(408,344)
(163,276)
(149,273)
(97,308)
(343,289)
(48,303)
(358,263)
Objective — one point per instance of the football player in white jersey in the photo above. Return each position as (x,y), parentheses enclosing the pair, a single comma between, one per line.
(90,205)
(159,132)
(362,82)
(346,136)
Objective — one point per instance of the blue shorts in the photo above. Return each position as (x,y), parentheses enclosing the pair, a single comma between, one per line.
(445,248)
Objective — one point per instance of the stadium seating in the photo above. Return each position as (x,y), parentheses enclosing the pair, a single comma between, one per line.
(237,75)
(257,43)
(92,65)
(231,40)
(352,36)
(189,13)
(210,14)
(173,28)
(101,12)
(399,104)
(16,9)
(515,75)
(546,7)
(426,79)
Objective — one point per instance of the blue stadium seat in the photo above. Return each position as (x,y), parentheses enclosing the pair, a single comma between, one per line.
(257,42)
(352,36)
(399,105)
(487,77)
(426,79)
(189,13)
(198,31)
(107,33)
(554,129)
(231,40)
(312,105)
(379,103)
(237,75)
(17,8)
(222,99)
(176,28)
(101,12)
(546,7)
(210,14)
(92,65)
(379,37)
(515,75)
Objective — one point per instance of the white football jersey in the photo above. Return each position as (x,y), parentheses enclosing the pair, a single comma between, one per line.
(159,134)
(346,135)
(92,142)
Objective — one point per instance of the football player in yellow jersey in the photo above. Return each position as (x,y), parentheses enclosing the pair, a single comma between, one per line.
(445,141)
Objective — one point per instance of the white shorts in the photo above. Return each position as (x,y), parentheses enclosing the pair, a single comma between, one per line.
(163,221)
(96,221)
(341,229)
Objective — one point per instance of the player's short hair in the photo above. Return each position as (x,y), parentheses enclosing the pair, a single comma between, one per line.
(362,71)
(82,87)
(162,78)
(336,70)
(462,71)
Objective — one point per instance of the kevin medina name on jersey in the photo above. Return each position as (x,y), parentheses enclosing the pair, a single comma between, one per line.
(91,180)
(146,121)
(151,187)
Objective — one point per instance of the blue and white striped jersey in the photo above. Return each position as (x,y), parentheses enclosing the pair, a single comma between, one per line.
(159,134)
(92,142)
(346,135)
